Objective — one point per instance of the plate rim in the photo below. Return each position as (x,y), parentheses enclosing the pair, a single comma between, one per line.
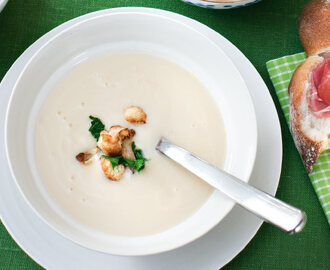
(180,17)
(3,4)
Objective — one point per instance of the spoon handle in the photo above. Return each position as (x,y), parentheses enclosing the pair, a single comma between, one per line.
(265,206)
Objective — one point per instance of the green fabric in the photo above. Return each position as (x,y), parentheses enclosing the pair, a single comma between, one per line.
(280,71)
(263,31)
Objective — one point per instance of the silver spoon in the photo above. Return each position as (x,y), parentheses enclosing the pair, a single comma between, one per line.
(286,217)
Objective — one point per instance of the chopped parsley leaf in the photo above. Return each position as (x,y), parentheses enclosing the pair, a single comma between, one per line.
(114,160)
(96,127)
(140,164)
(129,163)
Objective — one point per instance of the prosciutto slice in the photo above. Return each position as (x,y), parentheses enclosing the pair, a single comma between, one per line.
(319,99)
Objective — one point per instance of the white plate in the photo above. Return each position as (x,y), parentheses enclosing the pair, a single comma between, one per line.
(2,4)
(213,250)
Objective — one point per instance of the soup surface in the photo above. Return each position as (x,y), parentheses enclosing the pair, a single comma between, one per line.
(178,107)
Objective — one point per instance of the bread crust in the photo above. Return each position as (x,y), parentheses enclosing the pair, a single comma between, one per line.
(314,26)
(308,148)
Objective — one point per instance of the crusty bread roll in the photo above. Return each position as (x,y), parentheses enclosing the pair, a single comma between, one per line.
(314,27)
(309,87)
(311,133)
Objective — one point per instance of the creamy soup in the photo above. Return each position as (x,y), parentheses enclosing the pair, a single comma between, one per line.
(178,107)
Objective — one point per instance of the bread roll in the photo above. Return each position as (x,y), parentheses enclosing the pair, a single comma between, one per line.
(310,132)
(309,87)
(314,27)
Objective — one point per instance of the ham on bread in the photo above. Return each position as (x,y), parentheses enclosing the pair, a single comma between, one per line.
(309,87)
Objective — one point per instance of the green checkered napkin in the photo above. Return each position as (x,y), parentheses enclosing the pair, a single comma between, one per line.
(280,71)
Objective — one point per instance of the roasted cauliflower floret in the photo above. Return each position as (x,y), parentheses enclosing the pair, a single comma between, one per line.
(110,142)
(135,115)
(86,157)
(114,174)
(127,151)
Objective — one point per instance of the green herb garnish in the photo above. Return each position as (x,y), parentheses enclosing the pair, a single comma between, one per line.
(96,127)
(138,164)
(129,162)
(140,159)
(114,160)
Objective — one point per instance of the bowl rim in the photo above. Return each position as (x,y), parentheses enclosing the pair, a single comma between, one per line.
(53,34)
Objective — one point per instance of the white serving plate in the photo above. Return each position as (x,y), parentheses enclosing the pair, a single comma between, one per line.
(223,242)
(129,31)
(2,4)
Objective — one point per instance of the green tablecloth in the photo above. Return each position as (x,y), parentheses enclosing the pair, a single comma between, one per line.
(262,32)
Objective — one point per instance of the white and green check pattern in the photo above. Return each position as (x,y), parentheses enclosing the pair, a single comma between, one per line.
(280,71)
